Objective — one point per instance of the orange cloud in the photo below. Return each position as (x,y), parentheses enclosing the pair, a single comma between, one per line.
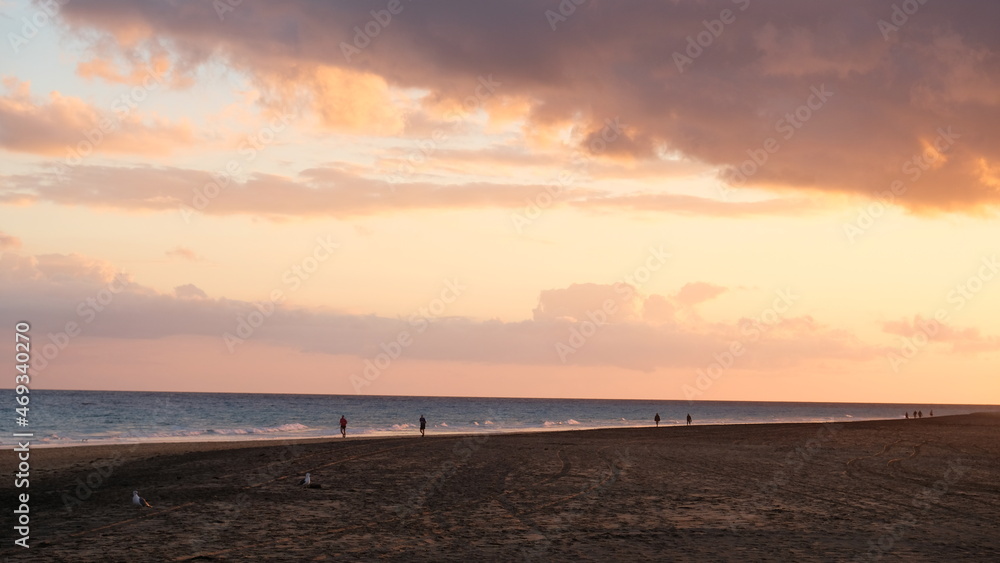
(69,127)
(346,100)
(137,75)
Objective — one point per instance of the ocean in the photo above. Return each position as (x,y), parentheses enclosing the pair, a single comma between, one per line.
(68,418)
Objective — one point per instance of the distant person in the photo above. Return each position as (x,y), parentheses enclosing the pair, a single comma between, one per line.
(932,413)
(914,414)
(689,420)
(907,415)
(656,419)
(423,425)
(343,426)
(920,414)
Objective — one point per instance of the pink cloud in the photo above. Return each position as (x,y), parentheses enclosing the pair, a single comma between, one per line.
(55,268)
(962,340)
(58,289)
(332,192)
(184,254)
(314,192)
(698,292)
(8,241)
(189,291)
(579,302)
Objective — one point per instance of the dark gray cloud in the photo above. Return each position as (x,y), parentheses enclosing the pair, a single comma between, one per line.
(890,90)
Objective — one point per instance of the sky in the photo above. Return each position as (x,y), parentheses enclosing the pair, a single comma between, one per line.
(690,200)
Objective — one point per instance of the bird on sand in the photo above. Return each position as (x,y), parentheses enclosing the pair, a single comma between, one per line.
(305,480)
(139,501)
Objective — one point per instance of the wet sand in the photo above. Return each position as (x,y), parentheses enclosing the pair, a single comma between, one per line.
(906,490)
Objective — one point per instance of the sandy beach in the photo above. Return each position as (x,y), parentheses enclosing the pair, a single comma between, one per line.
(904,490)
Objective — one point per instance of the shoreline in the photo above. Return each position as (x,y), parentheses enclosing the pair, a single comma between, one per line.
(414,433)
(386,435)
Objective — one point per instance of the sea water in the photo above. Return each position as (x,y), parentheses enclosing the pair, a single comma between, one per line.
(112,417)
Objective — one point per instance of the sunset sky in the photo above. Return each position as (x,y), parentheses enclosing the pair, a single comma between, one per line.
(712,200)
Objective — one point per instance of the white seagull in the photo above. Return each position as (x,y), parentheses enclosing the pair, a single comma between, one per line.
(305,480)
(139,501)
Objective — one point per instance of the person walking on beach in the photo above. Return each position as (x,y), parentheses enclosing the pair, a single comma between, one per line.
(423,424)
(689,420)
(656,419)
(343,426)
(907,415)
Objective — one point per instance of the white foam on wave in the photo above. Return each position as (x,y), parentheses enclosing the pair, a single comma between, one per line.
(174,434)
(550,424)
(292,427)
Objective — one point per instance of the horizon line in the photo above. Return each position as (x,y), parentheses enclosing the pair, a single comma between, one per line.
(515,398)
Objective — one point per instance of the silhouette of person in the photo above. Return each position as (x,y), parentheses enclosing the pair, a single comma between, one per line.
(689,420)
(656,419)
(343,426)
(932,413)
(920,414)
(914,414)
(423,424)
(907,415)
